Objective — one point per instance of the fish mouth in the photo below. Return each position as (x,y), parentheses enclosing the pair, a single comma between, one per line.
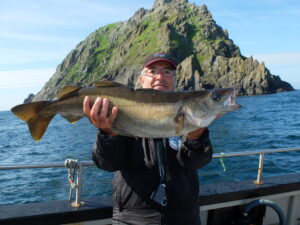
(232,105)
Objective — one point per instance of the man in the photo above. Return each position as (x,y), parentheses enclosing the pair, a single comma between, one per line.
(155,181)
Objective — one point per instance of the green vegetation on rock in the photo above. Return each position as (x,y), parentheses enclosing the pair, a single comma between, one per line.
(207,57)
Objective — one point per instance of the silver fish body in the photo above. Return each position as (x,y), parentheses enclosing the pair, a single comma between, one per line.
(142,112)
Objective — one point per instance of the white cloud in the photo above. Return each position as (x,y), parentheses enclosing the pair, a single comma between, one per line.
(16,85)
(15,56)
(286,65)
(63,13)
(33,31)
(279,59)
(25,78)
(35,37)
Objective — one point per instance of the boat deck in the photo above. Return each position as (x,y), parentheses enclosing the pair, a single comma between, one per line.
(284,190)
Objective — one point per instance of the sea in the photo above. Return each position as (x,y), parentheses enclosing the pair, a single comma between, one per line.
(264,122)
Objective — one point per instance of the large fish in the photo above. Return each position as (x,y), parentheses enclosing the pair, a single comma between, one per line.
(142,112)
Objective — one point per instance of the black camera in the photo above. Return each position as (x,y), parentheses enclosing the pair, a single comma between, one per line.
(159,195)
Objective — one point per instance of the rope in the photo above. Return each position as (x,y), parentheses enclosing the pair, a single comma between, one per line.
(71,165)
(222,161)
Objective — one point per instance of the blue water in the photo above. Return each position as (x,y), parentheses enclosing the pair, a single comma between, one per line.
(264,122)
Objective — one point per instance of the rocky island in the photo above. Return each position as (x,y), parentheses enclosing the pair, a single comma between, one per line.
(207,57)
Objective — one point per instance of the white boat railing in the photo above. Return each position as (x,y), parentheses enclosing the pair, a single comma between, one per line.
(79,167)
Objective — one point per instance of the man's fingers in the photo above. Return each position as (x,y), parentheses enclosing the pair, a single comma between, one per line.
(104,109)
(86,105)
(114,113)
(94,114)
(98,113)
(87,108)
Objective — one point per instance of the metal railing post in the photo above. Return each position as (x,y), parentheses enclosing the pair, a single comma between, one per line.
(78,187)
(74,166)
(260,169)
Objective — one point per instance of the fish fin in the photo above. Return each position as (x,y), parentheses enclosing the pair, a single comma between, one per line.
(121,130)
(66,90)
(123,133)
(72,118)
(107,83)
(37,123)
(180,122)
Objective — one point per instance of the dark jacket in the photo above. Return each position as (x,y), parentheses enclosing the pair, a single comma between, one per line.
(136,176)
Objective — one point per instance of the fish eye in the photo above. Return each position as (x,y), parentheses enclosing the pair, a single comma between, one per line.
(215,96)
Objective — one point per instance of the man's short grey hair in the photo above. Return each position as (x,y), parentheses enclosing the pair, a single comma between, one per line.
(143,71)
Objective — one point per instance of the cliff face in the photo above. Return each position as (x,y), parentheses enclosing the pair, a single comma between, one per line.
(188,32)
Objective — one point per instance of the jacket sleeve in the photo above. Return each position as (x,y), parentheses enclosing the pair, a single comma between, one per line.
(110,152)
(194,154)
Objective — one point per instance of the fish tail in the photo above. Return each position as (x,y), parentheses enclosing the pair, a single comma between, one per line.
(37,122)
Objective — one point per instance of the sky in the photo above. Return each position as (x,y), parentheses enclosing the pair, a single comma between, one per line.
(35,36)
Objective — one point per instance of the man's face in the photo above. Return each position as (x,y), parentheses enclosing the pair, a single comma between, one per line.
(159,76)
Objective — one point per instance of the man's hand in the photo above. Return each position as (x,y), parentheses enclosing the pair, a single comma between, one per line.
(196,133)
(97,114)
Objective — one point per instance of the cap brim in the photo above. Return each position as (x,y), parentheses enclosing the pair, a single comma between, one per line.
(159,60)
